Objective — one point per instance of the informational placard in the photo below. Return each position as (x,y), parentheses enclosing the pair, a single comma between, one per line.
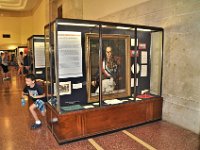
(143,70)
(77,86)
(133,83)
(39,72)
(133,42)
(142,46)
(143,57)
(69,54)
(39,54)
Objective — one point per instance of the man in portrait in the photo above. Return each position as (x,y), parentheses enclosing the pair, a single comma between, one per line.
(110,72)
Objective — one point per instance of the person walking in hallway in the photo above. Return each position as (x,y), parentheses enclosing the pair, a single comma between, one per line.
(4,65)
(20,63)
(26,64)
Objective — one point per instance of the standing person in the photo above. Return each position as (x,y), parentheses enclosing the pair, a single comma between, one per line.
(5,66)
(26,64)
(35,92)
(20,63)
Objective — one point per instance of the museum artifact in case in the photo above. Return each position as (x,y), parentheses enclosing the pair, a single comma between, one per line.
(37,55)
(101,76)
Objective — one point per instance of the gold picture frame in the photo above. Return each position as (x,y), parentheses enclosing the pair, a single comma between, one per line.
(115,66)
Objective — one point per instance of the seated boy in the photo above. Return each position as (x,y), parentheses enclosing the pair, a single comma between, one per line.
(35,92)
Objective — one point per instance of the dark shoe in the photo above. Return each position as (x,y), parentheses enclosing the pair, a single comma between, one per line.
(35,126)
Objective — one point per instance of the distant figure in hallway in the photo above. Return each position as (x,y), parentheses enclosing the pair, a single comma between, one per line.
(35,92)
(20,61)
(27,64)
(4,65)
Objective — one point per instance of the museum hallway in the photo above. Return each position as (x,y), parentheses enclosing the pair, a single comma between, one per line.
(15,122)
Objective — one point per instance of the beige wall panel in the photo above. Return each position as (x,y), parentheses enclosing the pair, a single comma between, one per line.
(181,81)
(9,25)
(39,19)
(26,28)
(93,9)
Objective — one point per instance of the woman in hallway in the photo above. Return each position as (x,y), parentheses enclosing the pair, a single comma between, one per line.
(20,63)
(27,64)
(5,66)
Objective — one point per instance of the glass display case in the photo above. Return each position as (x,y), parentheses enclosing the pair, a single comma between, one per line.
(102,69)
(37,55)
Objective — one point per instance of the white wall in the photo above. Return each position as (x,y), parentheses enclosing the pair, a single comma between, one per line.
(21,28)
(40,19)
(10,25)
(181,76)
(26,29)
(93,9)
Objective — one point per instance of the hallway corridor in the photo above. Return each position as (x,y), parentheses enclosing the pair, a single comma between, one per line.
(15,134)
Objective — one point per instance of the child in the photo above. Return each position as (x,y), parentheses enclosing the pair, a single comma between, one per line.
(35,92)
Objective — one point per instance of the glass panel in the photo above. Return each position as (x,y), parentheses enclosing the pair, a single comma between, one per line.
(116,60)
(148,63)
(72,63)
(48,65)
(156,63)
(30,53)
(92,50)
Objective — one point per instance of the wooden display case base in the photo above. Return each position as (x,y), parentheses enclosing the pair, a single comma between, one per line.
(85,123)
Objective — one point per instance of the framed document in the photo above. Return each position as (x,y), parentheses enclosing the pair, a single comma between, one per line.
(64,88)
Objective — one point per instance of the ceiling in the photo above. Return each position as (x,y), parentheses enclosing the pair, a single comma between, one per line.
(18,5)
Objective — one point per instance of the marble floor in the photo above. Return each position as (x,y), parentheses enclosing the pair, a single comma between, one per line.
(15,133)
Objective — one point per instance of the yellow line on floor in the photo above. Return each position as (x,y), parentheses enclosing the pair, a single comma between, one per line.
(97,146)
(138,140)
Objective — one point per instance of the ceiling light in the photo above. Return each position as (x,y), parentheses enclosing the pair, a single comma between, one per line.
(145,30)
(124,28)
(76,24)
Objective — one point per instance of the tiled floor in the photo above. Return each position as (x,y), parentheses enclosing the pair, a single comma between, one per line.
(15,133)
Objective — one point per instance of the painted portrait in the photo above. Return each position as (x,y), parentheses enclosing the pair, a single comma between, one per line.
(115,66)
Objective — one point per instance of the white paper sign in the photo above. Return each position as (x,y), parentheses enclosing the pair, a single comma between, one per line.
(69,54)
(39,72)
(143,70)
(132,82)
(133,42)
(143,57)
(39,54)
(77,86)
(88,106)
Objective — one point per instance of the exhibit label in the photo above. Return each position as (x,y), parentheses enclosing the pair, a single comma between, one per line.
(69,54)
